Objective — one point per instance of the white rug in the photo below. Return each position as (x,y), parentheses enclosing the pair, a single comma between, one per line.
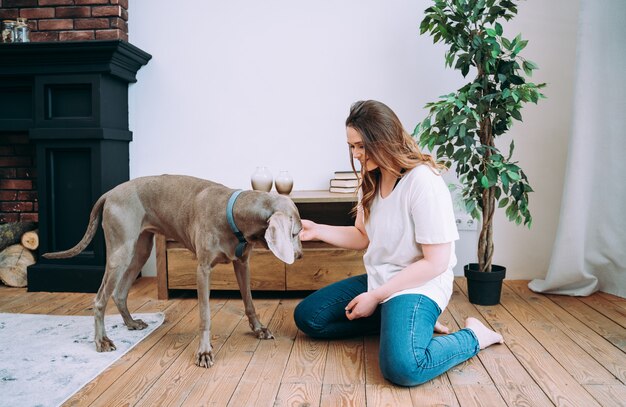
(45,359)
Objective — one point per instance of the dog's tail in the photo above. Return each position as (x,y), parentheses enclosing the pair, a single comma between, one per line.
(92,228)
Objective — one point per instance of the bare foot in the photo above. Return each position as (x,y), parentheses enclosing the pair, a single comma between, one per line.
(441,328)
(486,337)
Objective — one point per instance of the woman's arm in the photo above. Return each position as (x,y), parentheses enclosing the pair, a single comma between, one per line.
(347,237)
(435,262)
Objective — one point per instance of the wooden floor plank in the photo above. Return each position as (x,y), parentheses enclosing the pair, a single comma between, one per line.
(607,308)
(10,293)
(471,372)
(554,380)
(295,370)
(619,301)
(345,362)
(387,395)
(595,320)
(583,367)
(515,385)
(344,395)
(474,395)
(600,349)
(216,385)
(174,385)
(299,395)
(307,361)
(23,303)
(608,396)
(433,396)
(260,382)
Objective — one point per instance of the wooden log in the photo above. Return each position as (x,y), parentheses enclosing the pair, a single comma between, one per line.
(13,263)
(30,240)
(11,233)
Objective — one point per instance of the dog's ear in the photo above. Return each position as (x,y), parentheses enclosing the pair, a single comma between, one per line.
(278,237)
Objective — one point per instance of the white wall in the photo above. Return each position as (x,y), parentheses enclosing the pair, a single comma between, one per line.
(238,84)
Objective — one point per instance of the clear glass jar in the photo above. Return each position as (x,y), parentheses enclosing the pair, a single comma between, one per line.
(21,31)
(8,31)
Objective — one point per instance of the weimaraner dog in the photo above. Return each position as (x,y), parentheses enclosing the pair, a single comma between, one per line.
(194,212)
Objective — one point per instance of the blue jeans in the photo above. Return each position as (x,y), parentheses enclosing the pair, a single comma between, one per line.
(409,354)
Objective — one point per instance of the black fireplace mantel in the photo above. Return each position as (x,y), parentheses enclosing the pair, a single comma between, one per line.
(72,100)
(116,58)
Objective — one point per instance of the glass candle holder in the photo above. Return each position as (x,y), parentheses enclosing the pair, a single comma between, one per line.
(261,179)
(283,183)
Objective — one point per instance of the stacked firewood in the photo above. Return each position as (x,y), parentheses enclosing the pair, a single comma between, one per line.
(17,242)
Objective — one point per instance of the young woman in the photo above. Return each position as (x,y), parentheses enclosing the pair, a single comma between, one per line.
(405,220)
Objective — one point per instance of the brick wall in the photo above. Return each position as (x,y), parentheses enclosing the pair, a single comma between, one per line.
(70,20)
(18,188)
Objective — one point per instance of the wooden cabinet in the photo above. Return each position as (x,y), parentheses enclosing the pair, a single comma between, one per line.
(320,265)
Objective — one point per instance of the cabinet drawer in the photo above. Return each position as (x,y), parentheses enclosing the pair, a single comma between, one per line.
(322,266)
(266,272)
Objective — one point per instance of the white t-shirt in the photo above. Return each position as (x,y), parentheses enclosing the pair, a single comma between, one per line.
(418,211)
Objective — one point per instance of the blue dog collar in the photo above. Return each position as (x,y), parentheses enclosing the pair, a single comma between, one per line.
(231,222)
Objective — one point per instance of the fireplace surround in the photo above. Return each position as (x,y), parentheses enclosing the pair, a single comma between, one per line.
(71,99)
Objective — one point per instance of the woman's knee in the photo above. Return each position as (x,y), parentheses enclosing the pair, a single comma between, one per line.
(401,368)
(303,317)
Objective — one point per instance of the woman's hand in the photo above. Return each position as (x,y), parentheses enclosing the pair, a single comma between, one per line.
(308,230)
(363,305)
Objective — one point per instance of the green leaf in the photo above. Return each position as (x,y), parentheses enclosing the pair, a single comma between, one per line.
(452,130)
(465,70)
(492,176)
(505,181)
(516,115)
(470,206)
(506,43)
(516,80)
(462,131)
(531,64)
(503,202)
(511,148)
(520,46)
(499,29)
(484,181)
(491,32)
(513,175)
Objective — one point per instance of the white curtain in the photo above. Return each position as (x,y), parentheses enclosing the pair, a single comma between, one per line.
(590,247)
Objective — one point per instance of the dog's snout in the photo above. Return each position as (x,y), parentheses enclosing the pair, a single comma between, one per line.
(298,255)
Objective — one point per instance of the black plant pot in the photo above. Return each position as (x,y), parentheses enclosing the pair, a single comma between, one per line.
(484,288)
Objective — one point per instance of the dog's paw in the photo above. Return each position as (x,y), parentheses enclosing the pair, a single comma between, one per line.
(137,325)
(105,345)
(263,333)
(204,359)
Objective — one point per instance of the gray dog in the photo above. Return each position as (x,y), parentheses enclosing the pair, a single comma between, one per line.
(192,211)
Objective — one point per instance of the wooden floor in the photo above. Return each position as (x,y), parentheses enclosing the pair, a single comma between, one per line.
(559,350)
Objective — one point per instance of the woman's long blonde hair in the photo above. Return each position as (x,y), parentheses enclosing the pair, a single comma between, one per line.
(386,143)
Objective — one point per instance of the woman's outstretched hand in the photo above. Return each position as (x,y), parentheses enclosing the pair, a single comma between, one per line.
(308,230)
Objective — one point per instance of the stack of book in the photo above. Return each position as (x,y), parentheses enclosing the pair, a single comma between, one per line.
(344,182)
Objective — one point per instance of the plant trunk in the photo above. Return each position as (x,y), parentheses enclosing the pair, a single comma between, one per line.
(485,239)
(488,200)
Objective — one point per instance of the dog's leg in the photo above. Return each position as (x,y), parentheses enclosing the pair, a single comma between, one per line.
(242,272)
(117,261)
(204,355)
(120,294)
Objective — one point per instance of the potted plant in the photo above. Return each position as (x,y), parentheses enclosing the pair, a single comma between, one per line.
(461,127)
